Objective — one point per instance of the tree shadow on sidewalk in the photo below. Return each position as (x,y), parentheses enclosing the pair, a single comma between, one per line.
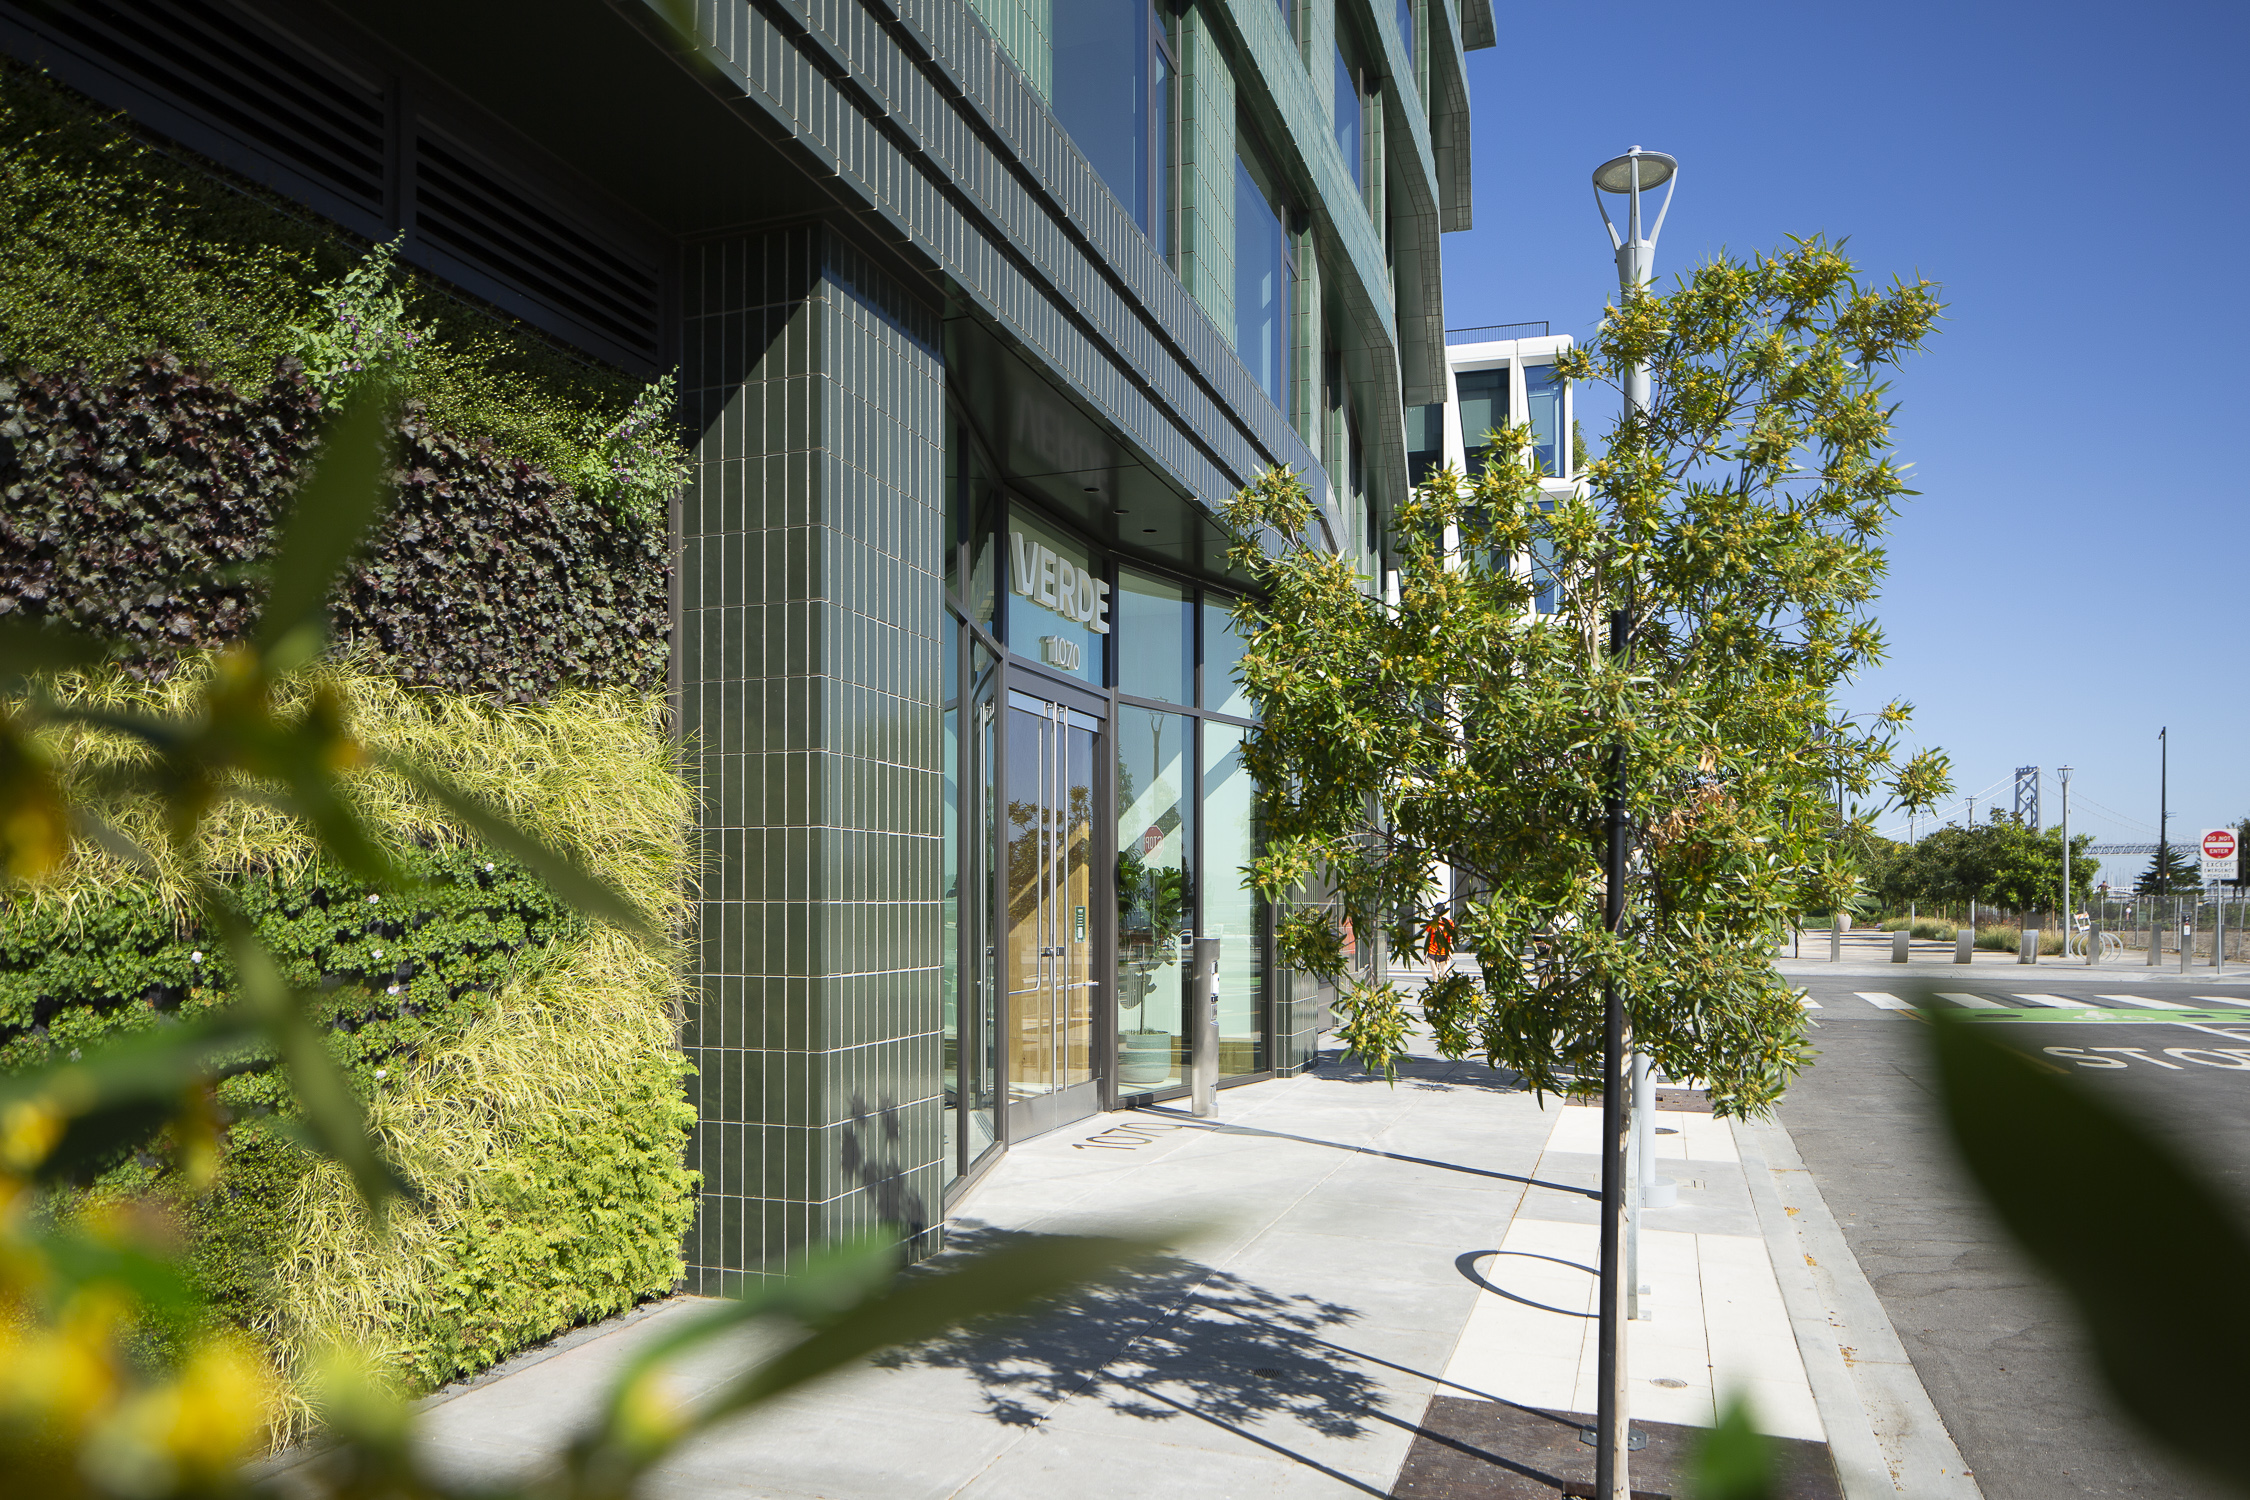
(1165,1338)
(1423,1074)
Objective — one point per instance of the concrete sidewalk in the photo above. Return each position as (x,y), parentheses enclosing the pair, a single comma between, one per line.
(1366,1286)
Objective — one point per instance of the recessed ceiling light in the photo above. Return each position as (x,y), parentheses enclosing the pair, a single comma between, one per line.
(1120,511)
(1093,489)
(1148,531)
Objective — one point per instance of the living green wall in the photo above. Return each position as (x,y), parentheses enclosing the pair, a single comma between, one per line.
(161,396)
(117,248)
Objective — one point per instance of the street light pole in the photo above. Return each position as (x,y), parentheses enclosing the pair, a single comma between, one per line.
(1628,175)
(2069,923)
(2163,809)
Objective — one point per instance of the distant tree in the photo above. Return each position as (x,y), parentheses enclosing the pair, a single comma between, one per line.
(2169,872)
(2002,864)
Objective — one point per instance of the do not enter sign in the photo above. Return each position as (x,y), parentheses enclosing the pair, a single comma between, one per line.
(2220,857)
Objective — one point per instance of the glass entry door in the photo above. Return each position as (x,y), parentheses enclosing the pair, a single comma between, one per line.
(1052,916)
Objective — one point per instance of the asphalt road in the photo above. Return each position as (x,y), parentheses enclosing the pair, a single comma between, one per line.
(1996,1349)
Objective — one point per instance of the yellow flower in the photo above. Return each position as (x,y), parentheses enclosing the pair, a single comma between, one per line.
(29,1129)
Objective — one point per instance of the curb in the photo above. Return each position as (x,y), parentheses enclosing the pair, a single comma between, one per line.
(1883,1431)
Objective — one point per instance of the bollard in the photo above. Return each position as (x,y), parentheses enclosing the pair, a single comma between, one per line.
(1836,938)
(2187,944)
(2155,944)
(1655,1191)
(2027,945)
(2093,945)
(1964,943)
(1898,946)
(1203,1029)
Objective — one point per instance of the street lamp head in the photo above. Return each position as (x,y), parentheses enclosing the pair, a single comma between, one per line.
(1618,174)
(1629,176)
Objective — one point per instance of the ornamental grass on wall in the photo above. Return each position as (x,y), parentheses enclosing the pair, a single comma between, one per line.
(170,339)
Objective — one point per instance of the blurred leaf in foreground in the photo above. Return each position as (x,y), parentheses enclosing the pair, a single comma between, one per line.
(1734,1461)
(2092,1194)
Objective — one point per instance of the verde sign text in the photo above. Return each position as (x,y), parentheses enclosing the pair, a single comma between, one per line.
(1039,575)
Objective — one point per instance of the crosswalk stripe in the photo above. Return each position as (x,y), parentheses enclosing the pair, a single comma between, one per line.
(2223,999)
(1808,1002)
(2057,1001)
(1882,1001)
(1972,1002)
(2145,1003)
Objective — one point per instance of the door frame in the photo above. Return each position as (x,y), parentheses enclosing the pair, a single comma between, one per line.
(1035,1117)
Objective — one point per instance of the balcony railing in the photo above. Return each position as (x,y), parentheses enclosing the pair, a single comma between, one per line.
(1493,332)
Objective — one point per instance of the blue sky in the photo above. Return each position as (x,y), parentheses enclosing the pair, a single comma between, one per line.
(2065,585)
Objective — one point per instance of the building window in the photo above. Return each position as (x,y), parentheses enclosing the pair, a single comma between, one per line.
(1484,410)
(1425,442)
(1288,17)
(1232,913)
(1543,566)
(1263,271)
(1156,893)
(1349,128)
(1155,619)
(1410,32)
(1114,68)
(1543,400)
(1223,691)
(1164,65)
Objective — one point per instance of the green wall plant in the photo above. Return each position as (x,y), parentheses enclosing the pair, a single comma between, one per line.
(142,507)
(173,342)
(518,1062)
(119,249)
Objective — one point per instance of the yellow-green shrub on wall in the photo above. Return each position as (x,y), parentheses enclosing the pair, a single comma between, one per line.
(521,1064)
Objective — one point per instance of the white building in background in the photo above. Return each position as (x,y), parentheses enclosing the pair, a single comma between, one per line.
(1496,377)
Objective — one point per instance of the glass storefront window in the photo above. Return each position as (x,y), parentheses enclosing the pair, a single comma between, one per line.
(1261,280)
(1155,893)
(1059,609)
(1232,913)
(1223,691)
(1484,410)
(1543,400)
(1156,636)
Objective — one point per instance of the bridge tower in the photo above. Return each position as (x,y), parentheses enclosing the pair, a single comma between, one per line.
(2027,797)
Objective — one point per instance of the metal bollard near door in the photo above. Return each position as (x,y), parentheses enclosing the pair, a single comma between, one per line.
(1203,1030)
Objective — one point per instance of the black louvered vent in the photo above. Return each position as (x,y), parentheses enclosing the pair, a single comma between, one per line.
(462,207)
(239,75)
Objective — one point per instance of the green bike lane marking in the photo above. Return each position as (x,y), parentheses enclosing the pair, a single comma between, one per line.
(2099,1016)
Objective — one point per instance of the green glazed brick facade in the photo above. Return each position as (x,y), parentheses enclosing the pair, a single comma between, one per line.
(809,680)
